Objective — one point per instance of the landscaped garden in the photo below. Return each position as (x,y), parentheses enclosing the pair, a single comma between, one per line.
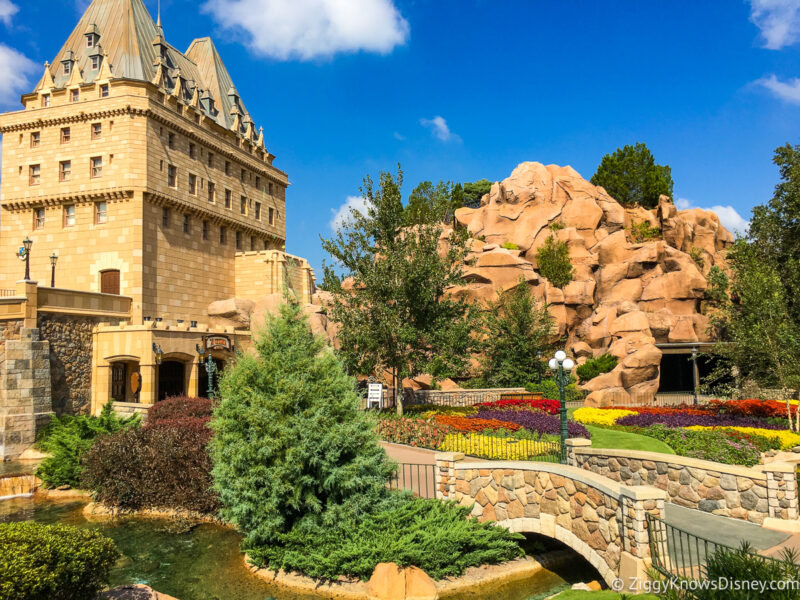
(734,432)
(512,429)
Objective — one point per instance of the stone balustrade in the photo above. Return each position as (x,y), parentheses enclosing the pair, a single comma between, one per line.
(750,494)
(601,519)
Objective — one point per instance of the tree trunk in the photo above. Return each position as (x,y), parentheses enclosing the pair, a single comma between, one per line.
(398,396)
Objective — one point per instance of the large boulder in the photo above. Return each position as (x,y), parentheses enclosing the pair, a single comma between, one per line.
(233,312)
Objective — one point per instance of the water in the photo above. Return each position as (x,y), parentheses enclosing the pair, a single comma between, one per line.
(198,562)
(14,467)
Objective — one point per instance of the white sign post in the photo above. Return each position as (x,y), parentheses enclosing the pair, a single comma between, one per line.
(375,395)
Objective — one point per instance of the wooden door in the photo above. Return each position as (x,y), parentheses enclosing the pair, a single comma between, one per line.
(109,282)
(118,372)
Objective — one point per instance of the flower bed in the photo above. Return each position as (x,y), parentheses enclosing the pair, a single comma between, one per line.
(681,419)
(600,416)
(538,423)
(501,448)
(787,439)
(476,425)
(421,433)
(544,404)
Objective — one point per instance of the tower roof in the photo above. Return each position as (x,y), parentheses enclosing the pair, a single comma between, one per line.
(135,48)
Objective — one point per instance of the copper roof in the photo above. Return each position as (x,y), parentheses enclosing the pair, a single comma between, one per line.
(131,42)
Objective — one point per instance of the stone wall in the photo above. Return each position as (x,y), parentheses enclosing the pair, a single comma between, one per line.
(70,340)
(728,490)
(600,519)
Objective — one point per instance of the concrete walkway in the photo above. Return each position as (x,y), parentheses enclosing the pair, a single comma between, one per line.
(408,454)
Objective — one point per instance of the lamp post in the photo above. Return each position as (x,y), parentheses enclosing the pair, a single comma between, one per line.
(694,373)
(211,367)
(24,253)
(53,261)
(561,366)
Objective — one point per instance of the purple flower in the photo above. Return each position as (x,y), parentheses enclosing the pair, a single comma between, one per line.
(685,420)
(535,422)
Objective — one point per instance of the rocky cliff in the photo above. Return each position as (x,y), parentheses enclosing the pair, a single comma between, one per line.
(625,295)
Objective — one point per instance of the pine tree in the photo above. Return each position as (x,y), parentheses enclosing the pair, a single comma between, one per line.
(631,176)
(291,448)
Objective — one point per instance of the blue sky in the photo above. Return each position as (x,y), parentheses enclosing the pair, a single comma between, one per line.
(464,89)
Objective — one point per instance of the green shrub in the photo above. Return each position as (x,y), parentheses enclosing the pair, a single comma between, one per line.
(554,263)
(53,562)
(696,254)
(643,232)
(556,226)
(68,438)
(438,537)
(291,448)
(707,444)
(549,389)
(596,366)
(510,246)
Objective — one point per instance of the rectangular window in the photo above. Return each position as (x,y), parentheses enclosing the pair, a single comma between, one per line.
(212,192)
(227,198)
(172,176)
(252,243)
(74,95)
(97,167)
(258,211)
(67,68)
(227,167)
(192,184)
(65,170)
(95,63)
(271,216)
(97,131)
(66,135)
(187,224)
(104,91)
(270,189)
(89,41)
(36,137)
(192,150)
(258,182)
(171,141)
(205,230)
(100,213)
(38,218)
(45,100)
(223,236)
(242,177)
(34,174)
(165,217)
(238,240)
(210,160)
(69,216)
(243,205)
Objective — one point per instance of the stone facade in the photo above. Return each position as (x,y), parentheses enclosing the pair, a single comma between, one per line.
(727,490)
(602,520)
(25,404)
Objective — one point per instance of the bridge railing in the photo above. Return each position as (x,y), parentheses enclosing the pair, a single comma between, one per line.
(676,553)
(420,479)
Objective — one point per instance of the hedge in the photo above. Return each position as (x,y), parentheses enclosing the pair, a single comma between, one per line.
(53,562)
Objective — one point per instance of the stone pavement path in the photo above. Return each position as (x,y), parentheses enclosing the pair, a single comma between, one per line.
(407,454)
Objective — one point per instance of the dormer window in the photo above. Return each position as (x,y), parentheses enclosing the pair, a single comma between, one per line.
(96,62)
(67,68)
(90,41)
(45,100)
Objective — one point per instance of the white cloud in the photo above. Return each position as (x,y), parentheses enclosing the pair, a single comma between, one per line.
(778,20)
(308,29)
(440,129)
(343,214)
(788,91)
(7,10)
(399,136)
(728,216)
(16,70)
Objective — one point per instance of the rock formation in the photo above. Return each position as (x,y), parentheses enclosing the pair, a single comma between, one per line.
(625,295)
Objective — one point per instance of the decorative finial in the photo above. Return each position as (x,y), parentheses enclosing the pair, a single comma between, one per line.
(158,23)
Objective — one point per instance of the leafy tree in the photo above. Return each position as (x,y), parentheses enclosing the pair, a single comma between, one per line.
(394,311)
(553,261)
(291,448)
(763,338)
(517,336)
(631,176)
(473,192)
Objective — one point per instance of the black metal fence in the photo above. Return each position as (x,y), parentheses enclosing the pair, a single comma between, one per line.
(676,553)
(417,478)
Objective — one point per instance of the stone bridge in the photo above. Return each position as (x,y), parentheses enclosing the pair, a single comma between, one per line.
(601,519)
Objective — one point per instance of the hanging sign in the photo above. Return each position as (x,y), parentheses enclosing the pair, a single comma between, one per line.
(375,395)
(217,342)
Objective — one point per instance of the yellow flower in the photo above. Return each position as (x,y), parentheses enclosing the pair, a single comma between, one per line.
(787,438)
(485,446)
(600,416)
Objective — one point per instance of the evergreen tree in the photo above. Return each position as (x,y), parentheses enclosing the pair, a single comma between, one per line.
(553,262)
(517,335)
(395,312)
(473,192)
(631,176)
(291,448)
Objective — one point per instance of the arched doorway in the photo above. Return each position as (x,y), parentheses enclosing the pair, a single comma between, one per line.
(202,375)
(171,379)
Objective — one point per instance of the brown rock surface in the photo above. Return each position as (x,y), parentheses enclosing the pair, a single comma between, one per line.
(388,582)
(625,296)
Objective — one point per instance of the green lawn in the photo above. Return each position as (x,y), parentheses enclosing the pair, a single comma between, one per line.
(622,440)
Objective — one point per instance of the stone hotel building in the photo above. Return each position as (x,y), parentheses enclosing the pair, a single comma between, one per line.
(139,167)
